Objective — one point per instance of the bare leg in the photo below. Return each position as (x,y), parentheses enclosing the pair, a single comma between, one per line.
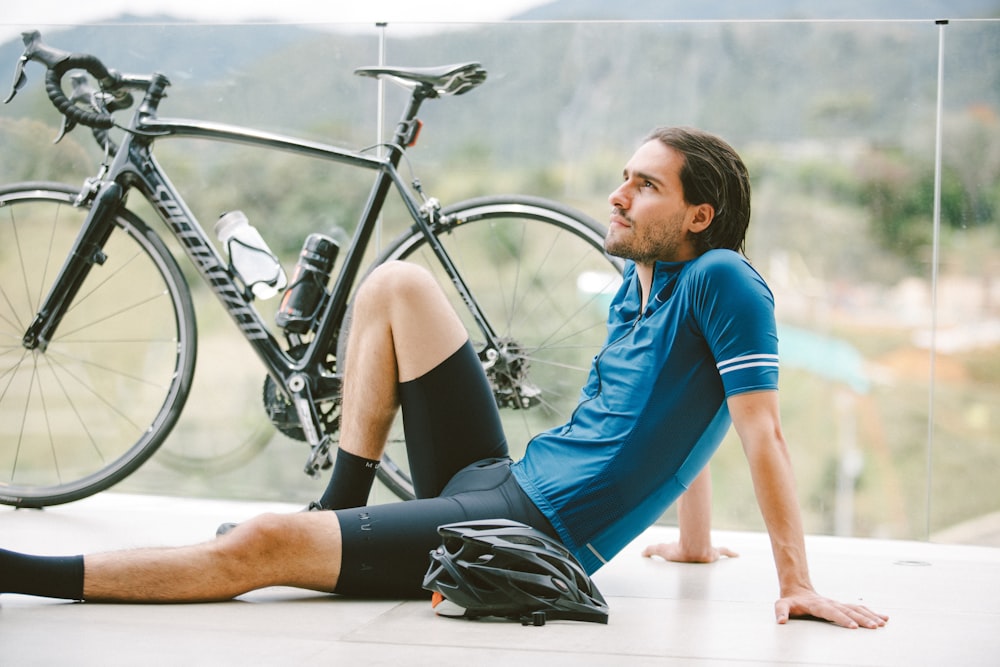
(301,550)
(403,327)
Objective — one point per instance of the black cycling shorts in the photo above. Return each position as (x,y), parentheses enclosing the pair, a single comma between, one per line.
(461,471)
(386,547)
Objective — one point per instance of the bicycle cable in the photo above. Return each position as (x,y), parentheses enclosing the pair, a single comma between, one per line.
(406,158)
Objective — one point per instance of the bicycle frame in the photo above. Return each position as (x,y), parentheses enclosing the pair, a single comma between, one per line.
(305,378)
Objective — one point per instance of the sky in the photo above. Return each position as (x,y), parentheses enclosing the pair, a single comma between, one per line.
(24,14)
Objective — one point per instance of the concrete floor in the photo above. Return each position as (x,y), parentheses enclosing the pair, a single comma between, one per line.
(944,603)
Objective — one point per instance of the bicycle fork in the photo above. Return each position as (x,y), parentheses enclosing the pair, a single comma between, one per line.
(87,250)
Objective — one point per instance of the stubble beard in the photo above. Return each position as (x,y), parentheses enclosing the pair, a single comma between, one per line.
(642,249)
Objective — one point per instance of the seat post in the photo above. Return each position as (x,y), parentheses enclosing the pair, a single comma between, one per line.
(405,129)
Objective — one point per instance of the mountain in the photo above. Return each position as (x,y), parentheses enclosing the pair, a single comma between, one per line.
(685,10)
(154,42)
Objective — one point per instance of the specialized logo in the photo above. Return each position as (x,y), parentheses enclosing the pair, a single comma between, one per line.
(207,261)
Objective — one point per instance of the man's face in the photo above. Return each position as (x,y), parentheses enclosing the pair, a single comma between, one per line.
(650,221)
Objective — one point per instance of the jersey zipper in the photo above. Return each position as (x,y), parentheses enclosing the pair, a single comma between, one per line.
(597,370)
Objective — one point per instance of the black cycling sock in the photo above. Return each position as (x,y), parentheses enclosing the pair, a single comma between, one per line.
(350,483)
(47,576)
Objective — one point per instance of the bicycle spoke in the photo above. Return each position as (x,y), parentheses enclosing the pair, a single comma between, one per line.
(121,311)
(16,325)
(97,285)
(52,359)
(512,307)
(77,413)
(23,272)
(24,419)
(48,431)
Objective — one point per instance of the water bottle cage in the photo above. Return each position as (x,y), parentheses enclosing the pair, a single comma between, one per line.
(315,276)
(235,274)
(320,303)
(292,315)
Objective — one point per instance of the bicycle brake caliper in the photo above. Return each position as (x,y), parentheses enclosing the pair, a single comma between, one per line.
(431,210)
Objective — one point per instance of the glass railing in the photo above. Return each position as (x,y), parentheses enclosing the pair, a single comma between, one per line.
(874,149)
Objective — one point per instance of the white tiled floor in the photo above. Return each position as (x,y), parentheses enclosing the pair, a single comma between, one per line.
(944,602)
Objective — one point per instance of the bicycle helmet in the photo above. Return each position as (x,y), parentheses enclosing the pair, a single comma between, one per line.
(504,568)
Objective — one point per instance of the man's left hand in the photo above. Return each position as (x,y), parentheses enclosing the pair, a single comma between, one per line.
(677,553)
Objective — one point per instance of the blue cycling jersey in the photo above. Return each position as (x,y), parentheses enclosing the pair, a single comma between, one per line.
(653,410)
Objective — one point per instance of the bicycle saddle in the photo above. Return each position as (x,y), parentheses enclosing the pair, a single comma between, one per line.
(444,80)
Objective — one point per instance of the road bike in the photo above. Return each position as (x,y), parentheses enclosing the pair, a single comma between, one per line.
(97,328)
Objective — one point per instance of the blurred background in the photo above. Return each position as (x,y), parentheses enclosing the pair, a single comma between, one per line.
(889,316)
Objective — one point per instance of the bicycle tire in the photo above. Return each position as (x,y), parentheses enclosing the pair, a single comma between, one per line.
(539,272)
(88,410)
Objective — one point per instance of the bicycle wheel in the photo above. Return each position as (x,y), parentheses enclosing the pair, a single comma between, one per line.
(85,412)
(539,273)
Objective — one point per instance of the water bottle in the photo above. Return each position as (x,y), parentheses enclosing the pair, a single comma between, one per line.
(249,256)
(301,302)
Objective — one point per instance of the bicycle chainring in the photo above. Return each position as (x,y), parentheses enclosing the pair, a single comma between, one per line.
(281,411)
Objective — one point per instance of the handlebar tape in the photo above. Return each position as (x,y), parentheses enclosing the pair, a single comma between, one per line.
(58,63)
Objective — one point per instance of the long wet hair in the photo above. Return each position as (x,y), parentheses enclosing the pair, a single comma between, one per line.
(713,173)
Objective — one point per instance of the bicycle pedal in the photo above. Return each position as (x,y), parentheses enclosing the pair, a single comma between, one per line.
(319,458)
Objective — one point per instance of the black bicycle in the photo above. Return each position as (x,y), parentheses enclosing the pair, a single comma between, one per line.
(97,327)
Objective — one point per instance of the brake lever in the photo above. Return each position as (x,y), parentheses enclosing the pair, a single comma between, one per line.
(20,78)
(82,92)
(66,127)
